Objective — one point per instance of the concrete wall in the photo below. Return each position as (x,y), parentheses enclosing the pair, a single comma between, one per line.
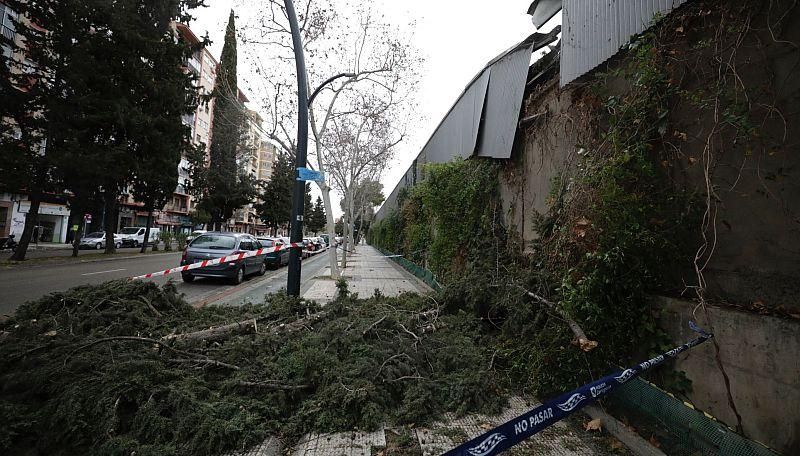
(755,182)
(761,355)
(755,206)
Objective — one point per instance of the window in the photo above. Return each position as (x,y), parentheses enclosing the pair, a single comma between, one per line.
(245,245)
(203,124)
(8,20)
(208,78)
(214,242)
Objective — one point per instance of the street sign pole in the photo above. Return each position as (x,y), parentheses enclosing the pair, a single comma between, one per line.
(298,200)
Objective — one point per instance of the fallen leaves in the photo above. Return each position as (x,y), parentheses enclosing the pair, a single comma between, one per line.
(594,425)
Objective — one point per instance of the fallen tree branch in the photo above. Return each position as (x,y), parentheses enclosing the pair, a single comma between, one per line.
(218,332)
(580,337)
(241,327)
(272,386)
(210,361)
(128,338)
(364,333)
(378,374)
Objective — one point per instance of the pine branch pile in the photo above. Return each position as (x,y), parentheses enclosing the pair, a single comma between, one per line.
(129,367)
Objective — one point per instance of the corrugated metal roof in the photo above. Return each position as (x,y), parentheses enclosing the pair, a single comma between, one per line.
(503,102)
(483,120)
(594,30)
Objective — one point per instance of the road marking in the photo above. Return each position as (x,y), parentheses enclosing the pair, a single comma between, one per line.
(103,272)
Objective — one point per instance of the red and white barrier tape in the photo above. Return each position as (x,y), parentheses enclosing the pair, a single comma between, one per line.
(225,259)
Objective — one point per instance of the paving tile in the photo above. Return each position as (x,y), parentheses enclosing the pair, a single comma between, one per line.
(558,439)
(340,443)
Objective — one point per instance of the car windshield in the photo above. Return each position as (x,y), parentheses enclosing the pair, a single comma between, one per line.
(266,242)
(95,235)
(215,242)
(129,231)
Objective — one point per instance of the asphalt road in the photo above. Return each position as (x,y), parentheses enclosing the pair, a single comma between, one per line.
(51,252)
(24,283)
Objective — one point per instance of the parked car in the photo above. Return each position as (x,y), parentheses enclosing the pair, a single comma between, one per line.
(97,240)
(133,236)
(325,238)
(319,244)
(278,258)
(212,245)
(194,234)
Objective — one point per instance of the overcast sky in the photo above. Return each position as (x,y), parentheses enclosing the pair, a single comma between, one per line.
(456,37)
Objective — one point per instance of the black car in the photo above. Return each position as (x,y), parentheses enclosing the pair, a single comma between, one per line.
(278,258)
(213,245)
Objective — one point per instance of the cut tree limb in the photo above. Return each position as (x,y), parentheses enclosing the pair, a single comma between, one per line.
(216,333)
(243,327)
(580,337)
(272,386)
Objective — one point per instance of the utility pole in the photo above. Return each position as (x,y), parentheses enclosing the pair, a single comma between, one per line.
(298,194)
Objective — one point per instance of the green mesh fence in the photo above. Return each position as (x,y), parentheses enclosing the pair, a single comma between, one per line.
(424,274)
(680,429)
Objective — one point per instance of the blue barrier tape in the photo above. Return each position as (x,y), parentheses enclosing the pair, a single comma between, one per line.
(520,428)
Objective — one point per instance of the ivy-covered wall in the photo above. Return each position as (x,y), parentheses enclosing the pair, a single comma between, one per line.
(670,171)
(722,145)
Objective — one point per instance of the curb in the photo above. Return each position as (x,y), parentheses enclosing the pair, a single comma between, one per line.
(633,441)
(22,265)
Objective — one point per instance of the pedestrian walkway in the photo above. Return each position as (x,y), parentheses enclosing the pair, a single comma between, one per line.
(367,270)
(561,439)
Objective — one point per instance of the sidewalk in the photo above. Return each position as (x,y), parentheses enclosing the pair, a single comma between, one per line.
(564,438)
(367,270)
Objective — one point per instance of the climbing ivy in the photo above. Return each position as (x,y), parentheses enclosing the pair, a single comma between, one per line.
(615,229)
(440,218)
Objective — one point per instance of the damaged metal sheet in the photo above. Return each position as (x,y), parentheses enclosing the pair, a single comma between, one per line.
(457,134)
(542,11)
(503,102)
(483,121)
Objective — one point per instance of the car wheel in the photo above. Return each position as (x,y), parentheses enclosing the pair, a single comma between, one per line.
(239,277)
(98,246)
(188,278)
(262,269)
(136,243)
(118,245)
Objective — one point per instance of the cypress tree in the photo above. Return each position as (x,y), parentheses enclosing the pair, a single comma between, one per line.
(276,197)
(225,186)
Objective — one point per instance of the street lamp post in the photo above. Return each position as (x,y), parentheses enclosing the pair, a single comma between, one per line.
(298,193)
(296,236)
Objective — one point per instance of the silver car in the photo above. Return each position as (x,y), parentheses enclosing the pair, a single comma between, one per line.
(211,245)
(97,240)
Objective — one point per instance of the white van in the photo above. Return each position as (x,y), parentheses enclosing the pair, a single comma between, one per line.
(134,235)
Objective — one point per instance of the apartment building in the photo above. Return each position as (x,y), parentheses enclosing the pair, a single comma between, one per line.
(257,159)
(53,216)
(175,215)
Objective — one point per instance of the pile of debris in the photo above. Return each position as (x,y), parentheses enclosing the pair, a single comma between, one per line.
(128,367)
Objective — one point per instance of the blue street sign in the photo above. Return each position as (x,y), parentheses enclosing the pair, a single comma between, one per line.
(305,174)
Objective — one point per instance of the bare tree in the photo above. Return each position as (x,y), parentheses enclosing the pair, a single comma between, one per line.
(361,146)
(355,58)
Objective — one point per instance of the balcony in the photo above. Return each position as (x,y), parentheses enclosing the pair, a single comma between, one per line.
(194,65)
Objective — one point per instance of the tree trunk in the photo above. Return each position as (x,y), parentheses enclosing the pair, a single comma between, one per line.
(31,220)
(361,226)
(110,202)
(147,230)
(347,225)
(76,243)
(331,228)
